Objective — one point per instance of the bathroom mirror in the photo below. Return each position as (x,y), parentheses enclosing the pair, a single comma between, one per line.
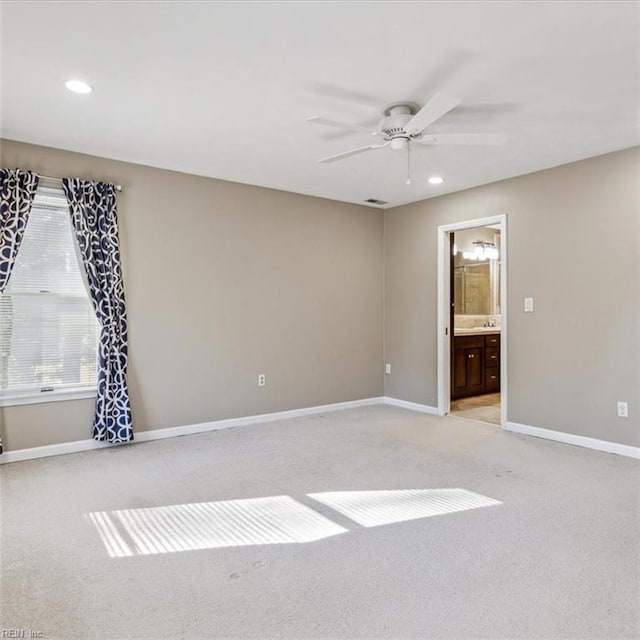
(476,282)
(472,283)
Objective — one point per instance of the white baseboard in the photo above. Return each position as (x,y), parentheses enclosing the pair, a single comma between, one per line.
(570,438)
(172,432)
(413,406)
(53,450)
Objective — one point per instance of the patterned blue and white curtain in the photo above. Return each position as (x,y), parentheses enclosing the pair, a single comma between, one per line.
(94,219)
(17,190)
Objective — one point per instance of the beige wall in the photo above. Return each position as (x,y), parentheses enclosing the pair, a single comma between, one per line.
(224,281)
(573,243)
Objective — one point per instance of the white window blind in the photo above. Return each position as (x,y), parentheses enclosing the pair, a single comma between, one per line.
(48,329)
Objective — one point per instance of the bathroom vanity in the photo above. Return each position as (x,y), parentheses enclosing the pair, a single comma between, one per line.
(475,362)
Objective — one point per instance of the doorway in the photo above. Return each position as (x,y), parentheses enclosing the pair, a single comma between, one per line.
(472,319)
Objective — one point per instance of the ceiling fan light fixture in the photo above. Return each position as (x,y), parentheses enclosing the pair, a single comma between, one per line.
(399,144)
(435,180)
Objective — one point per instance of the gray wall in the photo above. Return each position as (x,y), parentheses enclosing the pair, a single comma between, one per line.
(224,281)
(573,245)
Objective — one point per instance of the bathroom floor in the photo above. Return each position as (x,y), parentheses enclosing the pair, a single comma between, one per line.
(485,408)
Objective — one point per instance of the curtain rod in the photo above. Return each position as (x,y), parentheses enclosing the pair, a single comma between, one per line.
(118,187)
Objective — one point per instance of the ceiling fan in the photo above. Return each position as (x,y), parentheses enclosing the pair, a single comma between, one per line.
(404,124)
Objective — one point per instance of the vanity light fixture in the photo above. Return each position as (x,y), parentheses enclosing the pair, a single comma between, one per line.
(482,251)
(78,86)
(435,180)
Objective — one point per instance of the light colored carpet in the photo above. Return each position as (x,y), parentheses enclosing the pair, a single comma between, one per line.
(551,552)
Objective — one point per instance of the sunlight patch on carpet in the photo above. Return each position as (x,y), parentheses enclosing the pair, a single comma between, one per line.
(210,525)
(374,508)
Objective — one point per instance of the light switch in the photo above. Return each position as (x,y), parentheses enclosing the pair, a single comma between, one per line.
(528,305)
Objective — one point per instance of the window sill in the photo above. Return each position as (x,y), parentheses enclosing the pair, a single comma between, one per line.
(48,396)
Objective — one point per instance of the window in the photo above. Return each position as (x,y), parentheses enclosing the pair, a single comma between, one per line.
(48,329)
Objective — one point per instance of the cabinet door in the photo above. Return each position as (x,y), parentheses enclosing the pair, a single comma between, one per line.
(459,371)
(475,369)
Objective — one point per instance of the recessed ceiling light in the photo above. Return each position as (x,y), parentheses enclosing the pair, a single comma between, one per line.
(78,86)
(436,180)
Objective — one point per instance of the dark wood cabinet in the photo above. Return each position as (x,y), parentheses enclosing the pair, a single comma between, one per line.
(492,356)
(492,340)
(468,370)
(475,365)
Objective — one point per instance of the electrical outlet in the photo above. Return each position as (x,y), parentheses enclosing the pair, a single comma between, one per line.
(387,368)
(623,410)
(528,305)
(262,380)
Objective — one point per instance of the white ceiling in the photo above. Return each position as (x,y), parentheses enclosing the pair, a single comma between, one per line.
(225,89)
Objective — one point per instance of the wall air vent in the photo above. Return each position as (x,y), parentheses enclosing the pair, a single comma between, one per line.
(374,201)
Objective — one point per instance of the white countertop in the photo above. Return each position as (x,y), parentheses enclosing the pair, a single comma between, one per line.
(475,331)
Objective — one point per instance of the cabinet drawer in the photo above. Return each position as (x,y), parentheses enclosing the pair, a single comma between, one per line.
(492,356)
(493,340)
(468,342)
(492,379)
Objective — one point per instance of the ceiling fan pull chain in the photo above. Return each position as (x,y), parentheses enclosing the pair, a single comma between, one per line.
(408,164)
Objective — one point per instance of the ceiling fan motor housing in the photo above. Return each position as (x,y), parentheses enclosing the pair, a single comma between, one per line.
(392,126)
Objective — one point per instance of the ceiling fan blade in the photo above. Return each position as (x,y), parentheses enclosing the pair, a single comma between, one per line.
(434,109)
(341,125)
(469,139)
(353,152)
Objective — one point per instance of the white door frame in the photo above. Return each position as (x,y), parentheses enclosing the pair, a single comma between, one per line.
(444,301)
